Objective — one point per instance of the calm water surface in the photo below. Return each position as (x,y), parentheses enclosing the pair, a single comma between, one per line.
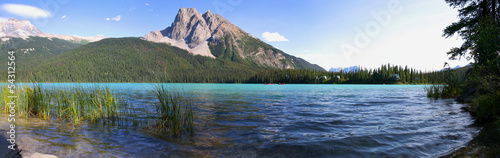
(254,120)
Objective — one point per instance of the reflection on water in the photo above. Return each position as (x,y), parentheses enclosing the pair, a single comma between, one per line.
(272,120)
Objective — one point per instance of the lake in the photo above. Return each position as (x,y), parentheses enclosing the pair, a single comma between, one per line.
(256,120)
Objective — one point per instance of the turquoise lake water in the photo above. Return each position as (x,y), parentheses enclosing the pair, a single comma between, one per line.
(256,120)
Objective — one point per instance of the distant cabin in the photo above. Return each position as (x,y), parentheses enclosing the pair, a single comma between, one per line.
(395,77)
(322,77)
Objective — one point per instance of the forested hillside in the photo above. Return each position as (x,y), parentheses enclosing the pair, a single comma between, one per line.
(135,60)
(34,50)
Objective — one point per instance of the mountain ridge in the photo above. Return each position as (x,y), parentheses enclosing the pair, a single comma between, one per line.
(135,60)
(344,69)
(213,36)
(232,55)
(14,28)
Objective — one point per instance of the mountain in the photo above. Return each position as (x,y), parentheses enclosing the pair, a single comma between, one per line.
(134,60)
(33,51)
(34,47)
(347,69)
(195,48)
(213,36)
(24,29)
(458,66)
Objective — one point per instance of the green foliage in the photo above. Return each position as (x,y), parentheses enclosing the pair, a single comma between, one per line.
(487,107)
(135,60)
(479,27)
(34,51)
(443,91)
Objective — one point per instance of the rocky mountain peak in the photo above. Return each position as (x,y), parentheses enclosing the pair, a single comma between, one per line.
(213,36)
(190,26)
(24,29)
(191,30)
(19,28)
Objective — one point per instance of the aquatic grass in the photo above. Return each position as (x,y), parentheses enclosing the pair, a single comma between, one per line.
(77,104)
(5,98)
(101,106)
(35,103)
(174,113)
(443,91)
(433,91)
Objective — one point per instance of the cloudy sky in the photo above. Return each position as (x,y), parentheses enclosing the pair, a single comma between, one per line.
(330,33)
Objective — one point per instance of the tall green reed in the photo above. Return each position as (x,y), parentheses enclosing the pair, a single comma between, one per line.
(76,104)
(174,113)
(443,91)
(5,98)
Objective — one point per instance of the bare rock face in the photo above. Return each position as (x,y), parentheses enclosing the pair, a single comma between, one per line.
(19,28)
(24,29)
(191,30)
(190,26)
(213,36)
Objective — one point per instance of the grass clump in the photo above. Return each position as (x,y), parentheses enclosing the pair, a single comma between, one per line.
(34,100)
(95,104)
(5,98)
(443,91)
(174,114)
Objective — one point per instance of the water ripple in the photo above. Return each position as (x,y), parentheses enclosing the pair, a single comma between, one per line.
(276,121)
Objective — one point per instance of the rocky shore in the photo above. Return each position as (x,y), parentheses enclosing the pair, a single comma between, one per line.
(485,144)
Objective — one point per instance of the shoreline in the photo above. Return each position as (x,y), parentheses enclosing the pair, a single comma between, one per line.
(485,144)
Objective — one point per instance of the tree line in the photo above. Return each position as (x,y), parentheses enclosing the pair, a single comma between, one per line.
(385,74)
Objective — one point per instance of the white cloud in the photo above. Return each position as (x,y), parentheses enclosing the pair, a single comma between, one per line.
(273,37)
(26,11)
(146,4)
(117,18)
(63,17)
(2,19)
(131,9)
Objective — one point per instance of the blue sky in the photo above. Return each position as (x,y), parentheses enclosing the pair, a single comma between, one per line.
(331,33)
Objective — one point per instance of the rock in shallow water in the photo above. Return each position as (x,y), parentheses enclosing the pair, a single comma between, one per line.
(39,155)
